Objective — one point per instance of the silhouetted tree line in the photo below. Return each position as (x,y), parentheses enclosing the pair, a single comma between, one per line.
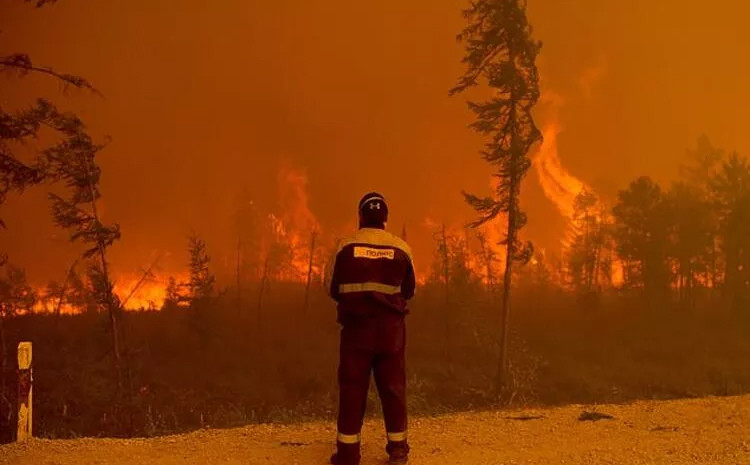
(202,362)
(685,244)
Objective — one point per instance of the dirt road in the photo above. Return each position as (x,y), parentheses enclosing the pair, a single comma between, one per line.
(697,431)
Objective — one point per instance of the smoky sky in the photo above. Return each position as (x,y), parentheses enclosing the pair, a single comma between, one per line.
(205,100)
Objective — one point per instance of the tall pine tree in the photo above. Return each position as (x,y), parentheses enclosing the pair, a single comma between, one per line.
(501,54)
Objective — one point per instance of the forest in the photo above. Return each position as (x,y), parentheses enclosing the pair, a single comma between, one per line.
(648,301)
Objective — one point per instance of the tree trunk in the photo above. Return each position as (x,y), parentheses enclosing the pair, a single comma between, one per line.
(501,379)
(3,358)
(239,280)
(730,272)
(61,298)
(259,309)
(313,236)
(114,321)
(113,312)
(513,195)
(446,278)
(6,408)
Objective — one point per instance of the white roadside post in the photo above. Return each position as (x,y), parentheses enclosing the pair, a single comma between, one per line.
(25,384)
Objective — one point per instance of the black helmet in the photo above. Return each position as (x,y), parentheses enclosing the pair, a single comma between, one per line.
(373,211)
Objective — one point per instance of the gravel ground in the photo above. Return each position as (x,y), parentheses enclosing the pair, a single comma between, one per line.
(696,431)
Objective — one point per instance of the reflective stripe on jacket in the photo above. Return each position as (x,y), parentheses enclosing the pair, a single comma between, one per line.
(372,270)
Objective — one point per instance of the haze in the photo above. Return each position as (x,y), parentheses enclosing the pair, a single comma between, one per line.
(206,100)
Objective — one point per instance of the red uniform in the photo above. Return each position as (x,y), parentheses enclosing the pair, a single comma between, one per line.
(372,278)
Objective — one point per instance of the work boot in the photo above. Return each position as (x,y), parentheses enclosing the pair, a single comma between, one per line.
(346,454)
(398,452)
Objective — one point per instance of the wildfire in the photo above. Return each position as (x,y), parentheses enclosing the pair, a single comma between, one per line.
(563,189)
(285,244)
(558,184)
(479,249)
(146,292)
(294,230)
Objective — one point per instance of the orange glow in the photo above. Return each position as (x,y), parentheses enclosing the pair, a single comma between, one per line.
(475,258)
(287,238)
(48,304)
(150,294)
(562,188)
(558,184)
(293,227)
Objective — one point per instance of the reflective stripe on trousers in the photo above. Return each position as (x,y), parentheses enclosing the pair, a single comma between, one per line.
(396,437)
(347,438)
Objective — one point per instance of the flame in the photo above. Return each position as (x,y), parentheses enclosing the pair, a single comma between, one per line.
(289,233)
(562,188)
(558,184)
(475,259)
(134,291)
(294,228)
(48,303)
(137,292)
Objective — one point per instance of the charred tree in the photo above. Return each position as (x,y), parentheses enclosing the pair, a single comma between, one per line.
(501,53)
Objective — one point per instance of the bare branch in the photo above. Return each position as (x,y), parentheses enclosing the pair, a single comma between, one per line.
(23,64)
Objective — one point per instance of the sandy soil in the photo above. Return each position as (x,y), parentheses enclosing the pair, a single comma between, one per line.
(696,431)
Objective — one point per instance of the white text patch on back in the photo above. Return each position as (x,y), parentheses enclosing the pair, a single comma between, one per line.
(369,252)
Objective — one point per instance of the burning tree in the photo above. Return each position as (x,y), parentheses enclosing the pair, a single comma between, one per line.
(501,51)
(73,162)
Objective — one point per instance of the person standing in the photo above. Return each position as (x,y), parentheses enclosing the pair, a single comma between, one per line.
(371,279)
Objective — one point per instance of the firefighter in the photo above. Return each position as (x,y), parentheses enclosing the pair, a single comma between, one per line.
(371,279)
